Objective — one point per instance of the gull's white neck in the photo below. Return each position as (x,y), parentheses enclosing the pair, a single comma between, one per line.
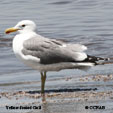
(19,40)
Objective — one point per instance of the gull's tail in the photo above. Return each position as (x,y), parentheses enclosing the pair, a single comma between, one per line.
(92,60)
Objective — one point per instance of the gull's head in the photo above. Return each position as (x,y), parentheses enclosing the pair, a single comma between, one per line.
(23,26)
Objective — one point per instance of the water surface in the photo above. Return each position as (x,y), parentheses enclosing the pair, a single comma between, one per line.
(77,21)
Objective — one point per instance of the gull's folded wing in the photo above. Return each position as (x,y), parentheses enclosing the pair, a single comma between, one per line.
(52,51)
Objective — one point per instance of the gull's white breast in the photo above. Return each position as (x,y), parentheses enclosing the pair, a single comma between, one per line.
(17,48)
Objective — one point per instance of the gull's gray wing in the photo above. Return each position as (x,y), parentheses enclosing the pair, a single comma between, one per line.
(53,51)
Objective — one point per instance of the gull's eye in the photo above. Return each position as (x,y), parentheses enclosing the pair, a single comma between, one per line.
(23,25)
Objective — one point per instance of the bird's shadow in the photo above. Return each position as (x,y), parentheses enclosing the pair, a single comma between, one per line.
(63,90)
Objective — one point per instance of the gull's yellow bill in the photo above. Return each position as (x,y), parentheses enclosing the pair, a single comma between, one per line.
(9,30)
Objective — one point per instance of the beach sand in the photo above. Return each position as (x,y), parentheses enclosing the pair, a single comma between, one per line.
(96,98)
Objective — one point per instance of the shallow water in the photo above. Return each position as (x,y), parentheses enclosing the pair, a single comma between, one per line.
(77,21)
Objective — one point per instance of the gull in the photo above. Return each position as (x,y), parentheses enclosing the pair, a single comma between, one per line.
(44,54)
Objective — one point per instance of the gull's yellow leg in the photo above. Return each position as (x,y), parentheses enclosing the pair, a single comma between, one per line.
(43,79)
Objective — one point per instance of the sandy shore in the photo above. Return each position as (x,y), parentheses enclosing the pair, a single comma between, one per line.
(67,100)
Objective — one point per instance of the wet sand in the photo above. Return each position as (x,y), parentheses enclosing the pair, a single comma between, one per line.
(66,100)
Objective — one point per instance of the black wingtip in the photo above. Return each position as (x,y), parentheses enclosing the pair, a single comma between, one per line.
(95,59)
(105,59)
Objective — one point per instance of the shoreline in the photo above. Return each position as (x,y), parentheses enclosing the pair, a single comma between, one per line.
(99,92)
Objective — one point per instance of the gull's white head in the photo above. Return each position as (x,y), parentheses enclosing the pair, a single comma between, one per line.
(23,26)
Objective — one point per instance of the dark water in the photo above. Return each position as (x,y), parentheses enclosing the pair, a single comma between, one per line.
(89,22)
